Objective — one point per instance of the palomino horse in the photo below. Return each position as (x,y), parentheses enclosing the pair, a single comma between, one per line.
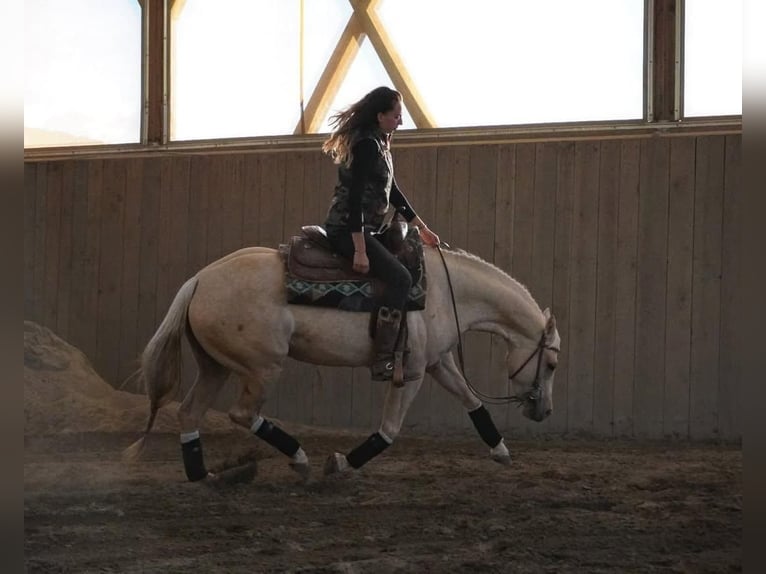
(236,317)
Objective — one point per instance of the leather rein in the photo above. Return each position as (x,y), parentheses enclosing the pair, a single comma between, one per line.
(533,395)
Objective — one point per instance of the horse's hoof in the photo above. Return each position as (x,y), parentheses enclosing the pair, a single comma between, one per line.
(336,462)
(302,468)
(504,459)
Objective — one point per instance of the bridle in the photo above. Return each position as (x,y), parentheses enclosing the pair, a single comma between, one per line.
(532,395)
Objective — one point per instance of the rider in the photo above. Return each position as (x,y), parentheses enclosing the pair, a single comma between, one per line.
(365,201)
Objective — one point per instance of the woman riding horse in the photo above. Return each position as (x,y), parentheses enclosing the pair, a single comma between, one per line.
(365,201)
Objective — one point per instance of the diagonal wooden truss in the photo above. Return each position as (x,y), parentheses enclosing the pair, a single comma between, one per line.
(363,23)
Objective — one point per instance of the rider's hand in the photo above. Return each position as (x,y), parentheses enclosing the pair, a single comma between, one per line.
(429,237)
(361,263)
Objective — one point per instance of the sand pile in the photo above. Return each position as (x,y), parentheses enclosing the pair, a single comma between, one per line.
(63,393)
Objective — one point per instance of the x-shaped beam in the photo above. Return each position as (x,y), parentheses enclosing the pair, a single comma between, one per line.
(362,23)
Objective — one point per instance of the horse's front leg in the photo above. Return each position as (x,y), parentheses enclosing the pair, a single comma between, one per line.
(447,374)
(397,402)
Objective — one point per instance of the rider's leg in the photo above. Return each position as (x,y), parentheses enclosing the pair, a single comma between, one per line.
(385,266)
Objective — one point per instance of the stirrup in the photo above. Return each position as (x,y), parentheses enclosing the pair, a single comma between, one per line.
(391,369)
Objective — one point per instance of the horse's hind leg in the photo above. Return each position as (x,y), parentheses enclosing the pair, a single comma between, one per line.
(211,376)
(447,374)
(246,413)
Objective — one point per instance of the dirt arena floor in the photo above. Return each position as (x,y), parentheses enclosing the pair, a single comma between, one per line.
(425,505)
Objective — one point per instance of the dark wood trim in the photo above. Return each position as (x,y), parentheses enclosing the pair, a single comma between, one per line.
(663,70)
(154,27)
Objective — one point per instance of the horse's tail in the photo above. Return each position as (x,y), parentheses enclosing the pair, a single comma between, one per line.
(161,361)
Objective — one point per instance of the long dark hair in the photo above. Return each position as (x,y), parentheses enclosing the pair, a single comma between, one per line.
(358,116)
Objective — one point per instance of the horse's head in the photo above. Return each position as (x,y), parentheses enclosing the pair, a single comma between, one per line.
(531,371)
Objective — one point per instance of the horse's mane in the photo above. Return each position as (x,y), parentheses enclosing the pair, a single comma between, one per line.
(472,257)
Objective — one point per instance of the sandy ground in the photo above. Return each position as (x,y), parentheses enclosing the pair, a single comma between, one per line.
(427,504)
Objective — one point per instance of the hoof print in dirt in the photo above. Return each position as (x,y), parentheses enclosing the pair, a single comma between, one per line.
(504,460)
(237,475)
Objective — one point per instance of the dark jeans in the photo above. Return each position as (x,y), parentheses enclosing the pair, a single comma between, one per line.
(383,265)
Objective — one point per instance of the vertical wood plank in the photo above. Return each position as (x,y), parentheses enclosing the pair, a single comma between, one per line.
(110,267)
(453,178)
(232,189)
(734,307)
(291,384)
(65,278)
(543,231)
(199,188)
(565,185)
(706,301)
(440,222)
(215,209)
(131,260)
(678,318)
(148,249)
(651,288)
(423,181)
(272,194)
(582,292)
(505,190)
(30,252)
(603,384)
(523,236)
(480,241)
(251,200)
(52,245)
(625,287)
(96,205)
(546,181)
(78,297)
(38,274)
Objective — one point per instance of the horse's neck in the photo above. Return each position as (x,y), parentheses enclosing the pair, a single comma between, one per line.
(490,300)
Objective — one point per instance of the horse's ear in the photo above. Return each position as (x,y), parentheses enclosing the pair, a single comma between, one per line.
(547,314)
(550,324)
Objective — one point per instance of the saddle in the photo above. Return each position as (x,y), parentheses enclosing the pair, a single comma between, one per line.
(315,275)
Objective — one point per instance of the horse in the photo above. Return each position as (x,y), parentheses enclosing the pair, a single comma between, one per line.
(235,315)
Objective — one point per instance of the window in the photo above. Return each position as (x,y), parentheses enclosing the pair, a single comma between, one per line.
(712,58)
(495,62)
(235,68)
(83,72)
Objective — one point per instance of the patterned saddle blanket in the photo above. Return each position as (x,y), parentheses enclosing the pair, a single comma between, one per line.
(315,275)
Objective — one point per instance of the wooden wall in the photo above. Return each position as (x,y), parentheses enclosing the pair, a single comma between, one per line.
(634,243)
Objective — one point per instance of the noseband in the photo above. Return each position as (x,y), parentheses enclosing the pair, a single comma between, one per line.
(534,394)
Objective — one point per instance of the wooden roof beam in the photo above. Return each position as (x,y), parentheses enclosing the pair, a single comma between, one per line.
(332,77)
(364,10)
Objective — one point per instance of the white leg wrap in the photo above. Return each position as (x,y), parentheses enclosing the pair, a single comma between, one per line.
(385,437)
(257,422)
(189,436)
(300,457)
(500,450)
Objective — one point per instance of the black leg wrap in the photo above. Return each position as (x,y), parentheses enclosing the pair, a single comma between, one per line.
(369,449)
(194,465)
(487,430)
(277,438)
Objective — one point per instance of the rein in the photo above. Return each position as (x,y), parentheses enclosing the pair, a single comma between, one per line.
(534,394)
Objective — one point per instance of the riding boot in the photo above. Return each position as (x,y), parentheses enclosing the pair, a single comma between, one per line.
(389,353)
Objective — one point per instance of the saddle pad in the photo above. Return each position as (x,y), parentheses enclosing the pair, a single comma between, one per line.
(316,276)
